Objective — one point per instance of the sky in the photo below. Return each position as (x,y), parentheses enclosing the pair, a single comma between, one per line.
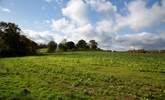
(114,24)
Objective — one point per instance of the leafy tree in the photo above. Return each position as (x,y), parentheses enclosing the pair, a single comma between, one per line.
(62,47)
(82,45)
(70,45)
(52,46)
(93,44)
(14,44)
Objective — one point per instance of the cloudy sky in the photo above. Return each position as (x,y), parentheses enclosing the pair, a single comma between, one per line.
(114,24)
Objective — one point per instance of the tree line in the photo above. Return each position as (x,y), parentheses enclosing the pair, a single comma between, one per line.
(13,43)
(65,45)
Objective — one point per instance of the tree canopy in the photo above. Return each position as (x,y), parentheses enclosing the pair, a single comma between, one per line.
(52,46)
(12,43)
(70,45)
(93,44)
(82,45)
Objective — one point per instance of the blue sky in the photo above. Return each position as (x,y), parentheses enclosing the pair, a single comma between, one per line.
(115,24)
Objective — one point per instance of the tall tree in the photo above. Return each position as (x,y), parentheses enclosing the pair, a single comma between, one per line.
(12,43)
(52,46)
(93,44)
(62,45)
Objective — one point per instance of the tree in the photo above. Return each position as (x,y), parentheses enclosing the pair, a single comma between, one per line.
(93,44)
(14,44)
(42,46)
(82,45)
(52,46)
(70,45)
(62,45)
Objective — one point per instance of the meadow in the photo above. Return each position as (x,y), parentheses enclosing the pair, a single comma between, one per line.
(92,75)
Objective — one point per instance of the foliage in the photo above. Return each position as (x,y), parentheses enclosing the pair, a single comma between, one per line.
(62,47)
(70,45)
(82,45)
(52,46)
(12,43)
(93,44)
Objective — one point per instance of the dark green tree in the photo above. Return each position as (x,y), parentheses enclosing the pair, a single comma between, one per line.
(62,47)
(70,45)
(14,44)
(52,46)
(82,45)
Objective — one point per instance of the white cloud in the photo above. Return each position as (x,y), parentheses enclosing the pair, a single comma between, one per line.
(143,40)
(78,25)
(104,26)
(5,9)
(75,25)
(70,30)
(102,6)
(42,37)
(84,32)
(62,25)
(77,11)
(140,16)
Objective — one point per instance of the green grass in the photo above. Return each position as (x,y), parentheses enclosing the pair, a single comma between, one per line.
(83,75)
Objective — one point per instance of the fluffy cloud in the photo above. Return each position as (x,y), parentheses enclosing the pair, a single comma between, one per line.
(104,26)
(140,16)
(77,11)
(78,25)
(42,37)
(72,31)
(142,40)
(62,25)
(75,25)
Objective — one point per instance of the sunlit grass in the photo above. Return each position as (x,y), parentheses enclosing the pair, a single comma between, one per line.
(83,75)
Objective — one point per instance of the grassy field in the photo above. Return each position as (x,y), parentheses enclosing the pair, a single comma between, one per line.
(83,75)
